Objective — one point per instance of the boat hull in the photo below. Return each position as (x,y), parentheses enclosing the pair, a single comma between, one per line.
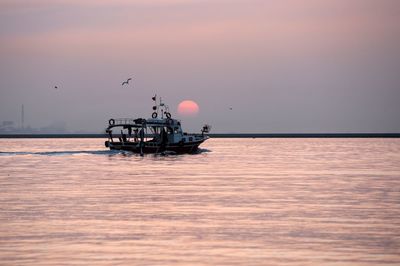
(190,147)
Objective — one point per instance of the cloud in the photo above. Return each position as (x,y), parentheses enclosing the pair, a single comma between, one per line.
(285,26)
(38,4)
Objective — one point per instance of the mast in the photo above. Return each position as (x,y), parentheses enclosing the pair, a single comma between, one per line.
(22,116)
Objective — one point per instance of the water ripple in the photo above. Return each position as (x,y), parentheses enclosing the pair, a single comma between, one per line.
(236,202)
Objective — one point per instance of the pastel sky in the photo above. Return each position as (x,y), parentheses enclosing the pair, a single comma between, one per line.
(305,66)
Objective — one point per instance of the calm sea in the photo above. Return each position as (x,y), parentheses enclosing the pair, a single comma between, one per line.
(237,202)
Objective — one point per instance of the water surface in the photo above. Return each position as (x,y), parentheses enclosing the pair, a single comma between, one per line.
(237,202)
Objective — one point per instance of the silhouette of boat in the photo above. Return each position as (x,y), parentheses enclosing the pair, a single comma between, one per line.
(158,134)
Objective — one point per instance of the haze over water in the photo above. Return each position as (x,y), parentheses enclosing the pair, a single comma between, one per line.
(238,202)
(310,66)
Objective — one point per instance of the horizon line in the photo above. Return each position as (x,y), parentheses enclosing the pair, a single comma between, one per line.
(220,135)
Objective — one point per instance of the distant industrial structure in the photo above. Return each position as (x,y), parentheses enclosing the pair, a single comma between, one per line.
(22,117)
(11,127)
(7,126)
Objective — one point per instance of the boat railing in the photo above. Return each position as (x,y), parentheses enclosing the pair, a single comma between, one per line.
(123,121)
(131,121)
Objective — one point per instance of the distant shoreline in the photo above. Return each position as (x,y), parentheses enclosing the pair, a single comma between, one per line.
(224,135)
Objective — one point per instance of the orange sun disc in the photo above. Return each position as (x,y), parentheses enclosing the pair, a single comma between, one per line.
(188,108)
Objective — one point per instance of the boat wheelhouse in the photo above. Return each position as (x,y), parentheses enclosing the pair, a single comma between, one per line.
(159,134)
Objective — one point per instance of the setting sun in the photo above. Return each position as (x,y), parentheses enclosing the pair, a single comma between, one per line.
(188,108)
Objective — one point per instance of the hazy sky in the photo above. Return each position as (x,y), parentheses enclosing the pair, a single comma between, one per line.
(283,66)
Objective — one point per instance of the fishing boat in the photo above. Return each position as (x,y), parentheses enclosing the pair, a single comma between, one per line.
(159,134)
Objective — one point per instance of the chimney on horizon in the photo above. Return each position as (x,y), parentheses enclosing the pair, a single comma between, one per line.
(22,116)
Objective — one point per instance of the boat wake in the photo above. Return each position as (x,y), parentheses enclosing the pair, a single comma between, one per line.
(201,150)
(172,153)
(60,153)
(93,152)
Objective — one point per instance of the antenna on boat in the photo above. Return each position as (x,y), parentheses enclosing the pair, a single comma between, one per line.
(154,98)
(160,107)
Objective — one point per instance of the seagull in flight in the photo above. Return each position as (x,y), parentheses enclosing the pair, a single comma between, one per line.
(126,82)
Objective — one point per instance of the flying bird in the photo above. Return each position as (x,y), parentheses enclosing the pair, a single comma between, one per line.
(126,82)
(230,108)
(55,87)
